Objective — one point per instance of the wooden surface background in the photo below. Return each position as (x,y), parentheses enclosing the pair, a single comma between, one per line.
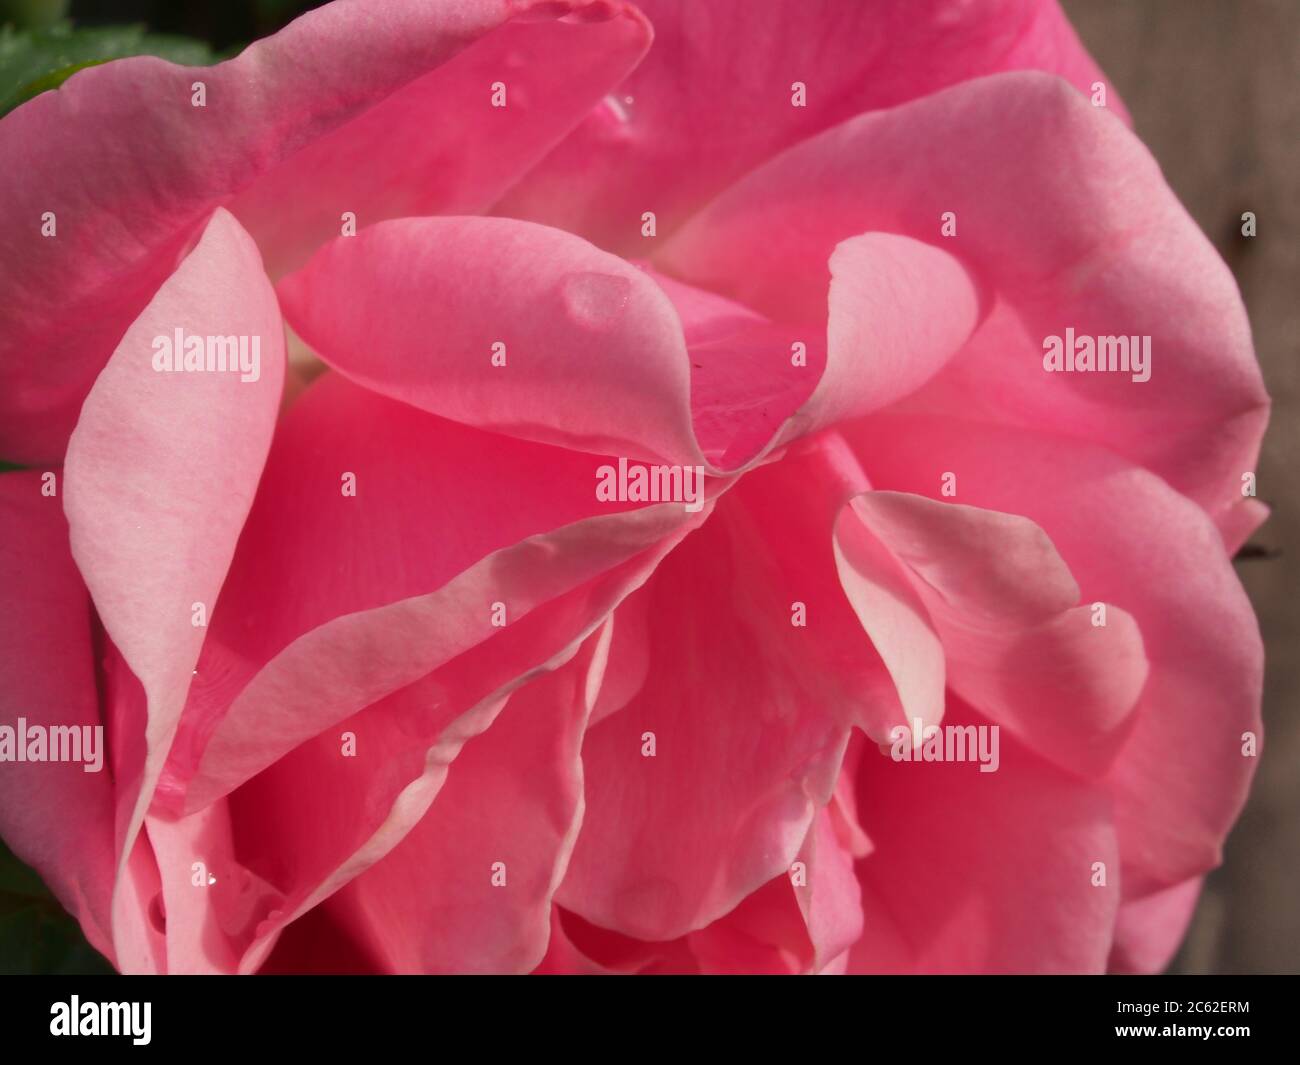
(1214,88)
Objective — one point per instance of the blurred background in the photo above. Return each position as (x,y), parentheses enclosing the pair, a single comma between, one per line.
(1214,89)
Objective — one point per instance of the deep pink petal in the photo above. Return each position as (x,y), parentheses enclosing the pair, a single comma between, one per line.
(714,96)
(1064,216)
(55,816)
(1129,540)
(749,715)
(948,887)
(1004,608)
(473,880)
(298,129)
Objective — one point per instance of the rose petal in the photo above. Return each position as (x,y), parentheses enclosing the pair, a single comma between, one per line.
(1064,216)
(1133,542)
(55,816)
(715,96)
(1002,604)
(984,872)
(474,878)
(379,588)
(595,357)
(310,107)
(160,474)
(747,743)
(1150,929)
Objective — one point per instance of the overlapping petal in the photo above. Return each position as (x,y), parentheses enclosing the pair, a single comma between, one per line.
(991,607)
(382,109)
(976,872)
(54,815)
(160,475)
(1062,213)
(1129,540)
(703,787)
(473,881)
(717,96)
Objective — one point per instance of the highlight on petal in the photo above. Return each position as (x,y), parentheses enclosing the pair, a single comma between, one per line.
(898,310)
(404,124)
(162,469)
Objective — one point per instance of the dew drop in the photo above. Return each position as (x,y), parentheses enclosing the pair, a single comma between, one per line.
(595,300)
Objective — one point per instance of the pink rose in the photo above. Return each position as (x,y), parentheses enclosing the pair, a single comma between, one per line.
(768,508)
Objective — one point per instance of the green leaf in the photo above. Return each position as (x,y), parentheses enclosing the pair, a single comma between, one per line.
(26,14)
(33,61)
(17,881)
(36,934)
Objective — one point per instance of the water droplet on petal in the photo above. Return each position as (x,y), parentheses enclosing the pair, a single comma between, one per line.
(620,110)
(595,300)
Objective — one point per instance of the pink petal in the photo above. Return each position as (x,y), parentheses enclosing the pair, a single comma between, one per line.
(210,902)
(749,728)
(763,935)
(378,589)
(805,920)
(473,880)
(984,872)
(714,96)
(55,816)
(1150,929)
(1239,521)
(376,619)
(131,169)
(160,474)
(831,902)
(1064,216)
(1133,542)
(899,309)
(601,356)
(1002,604)
(595,356)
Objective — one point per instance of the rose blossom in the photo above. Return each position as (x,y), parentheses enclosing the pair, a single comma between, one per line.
(388,684)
